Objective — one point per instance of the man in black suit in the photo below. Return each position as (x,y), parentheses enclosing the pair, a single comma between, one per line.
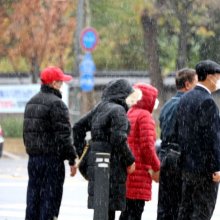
(199,137)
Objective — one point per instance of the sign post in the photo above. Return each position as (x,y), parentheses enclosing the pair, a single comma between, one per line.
(88,39)
(87,69)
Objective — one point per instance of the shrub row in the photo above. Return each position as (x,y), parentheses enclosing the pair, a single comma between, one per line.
(12,126)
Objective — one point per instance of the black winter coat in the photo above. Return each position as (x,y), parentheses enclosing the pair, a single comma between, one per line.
(46,128)
(109,128)
(199,132)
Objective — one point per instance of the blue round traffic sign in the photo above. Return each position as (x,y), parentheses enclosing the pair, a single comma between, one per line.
(89,39)
(87,69)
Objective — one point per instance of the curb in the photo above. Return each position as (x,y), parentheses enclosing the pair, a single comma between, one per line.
(10,155)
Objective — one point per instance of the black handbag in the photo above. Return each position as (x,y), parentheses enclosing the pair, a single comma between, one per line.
(83,162)
(172,159)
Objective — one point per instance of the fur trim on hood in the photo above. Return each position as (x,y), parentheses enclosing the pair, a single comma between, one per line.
(134,97)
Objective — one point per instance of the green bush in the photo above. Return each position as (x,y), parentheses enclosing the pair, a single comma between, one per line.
(12,126)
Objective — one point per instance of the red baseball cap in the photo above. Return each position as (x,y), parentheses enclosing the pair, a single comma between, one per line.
(52,73)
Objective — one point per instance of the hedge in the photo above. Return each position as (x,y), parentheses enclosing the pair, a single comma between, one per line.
(12,126)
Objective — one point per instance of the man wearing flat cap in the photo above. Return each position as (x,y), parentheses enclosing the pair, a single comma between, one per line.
(47,139)
(199,137)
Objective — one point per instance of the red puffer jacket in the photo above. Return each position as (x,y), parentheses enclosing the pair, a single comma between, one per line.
(141,140)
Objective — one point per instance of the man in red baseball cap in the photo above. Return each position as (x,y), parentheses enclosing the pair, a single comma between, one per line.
(54,77)
(52,73)
(47,139)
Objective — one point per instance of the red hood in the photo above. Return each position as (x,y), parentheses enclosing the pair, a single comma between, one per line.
(149,95)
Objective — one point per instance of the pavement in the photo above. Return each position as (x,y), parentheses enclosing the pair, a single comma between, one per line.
(13,185)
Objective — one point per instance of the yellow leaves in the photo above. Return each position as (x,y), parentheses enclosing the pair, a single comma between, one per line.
(204,32)
(138,7)
(5,22)
(149,6)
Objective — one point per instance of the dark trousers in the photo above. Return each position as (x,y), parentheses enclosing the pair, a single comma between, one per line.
(199,195)
(133,211)
(111,215)
(45,187)
(170,187)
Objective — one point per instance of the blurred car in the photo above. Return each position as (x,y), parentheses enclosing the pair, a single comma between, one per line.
(1,141)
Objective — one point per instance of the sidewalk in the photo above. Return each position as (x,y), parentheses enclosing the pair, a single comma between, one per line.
(13,185)
(14,146)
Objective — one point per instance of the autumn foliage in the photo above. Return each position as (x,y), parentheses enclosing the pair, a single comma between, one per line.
(40,31)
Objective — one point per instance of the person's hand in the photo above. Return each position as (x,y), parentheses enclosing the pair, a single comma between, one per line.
(73,170)
(131,168)
(156,176)
(216,176)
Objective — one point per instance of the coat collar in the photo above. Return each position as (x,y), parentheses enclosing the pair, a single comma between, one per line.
(202,88)
(48,89)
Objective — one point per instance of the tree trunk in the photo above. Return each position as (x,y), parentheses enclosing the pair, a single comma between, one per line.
(87,102)
(34,70)
(182,47)
(152,51)
(182,10)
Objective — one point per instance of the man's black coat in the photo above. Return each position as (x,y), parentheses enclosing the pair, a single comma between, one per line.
(47,129)
(199,132)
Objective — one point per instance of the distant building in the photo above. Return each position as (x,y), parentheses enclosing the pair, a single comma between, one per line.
(101,78)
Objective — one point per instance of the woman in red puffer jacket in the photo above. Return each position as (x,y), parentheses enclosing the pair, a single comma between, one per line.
(141,140)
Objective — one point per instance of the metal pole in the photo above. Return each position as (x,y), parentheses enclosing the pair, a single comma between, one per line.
(87,97)
(79,26)
(101,187)
(87,13)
